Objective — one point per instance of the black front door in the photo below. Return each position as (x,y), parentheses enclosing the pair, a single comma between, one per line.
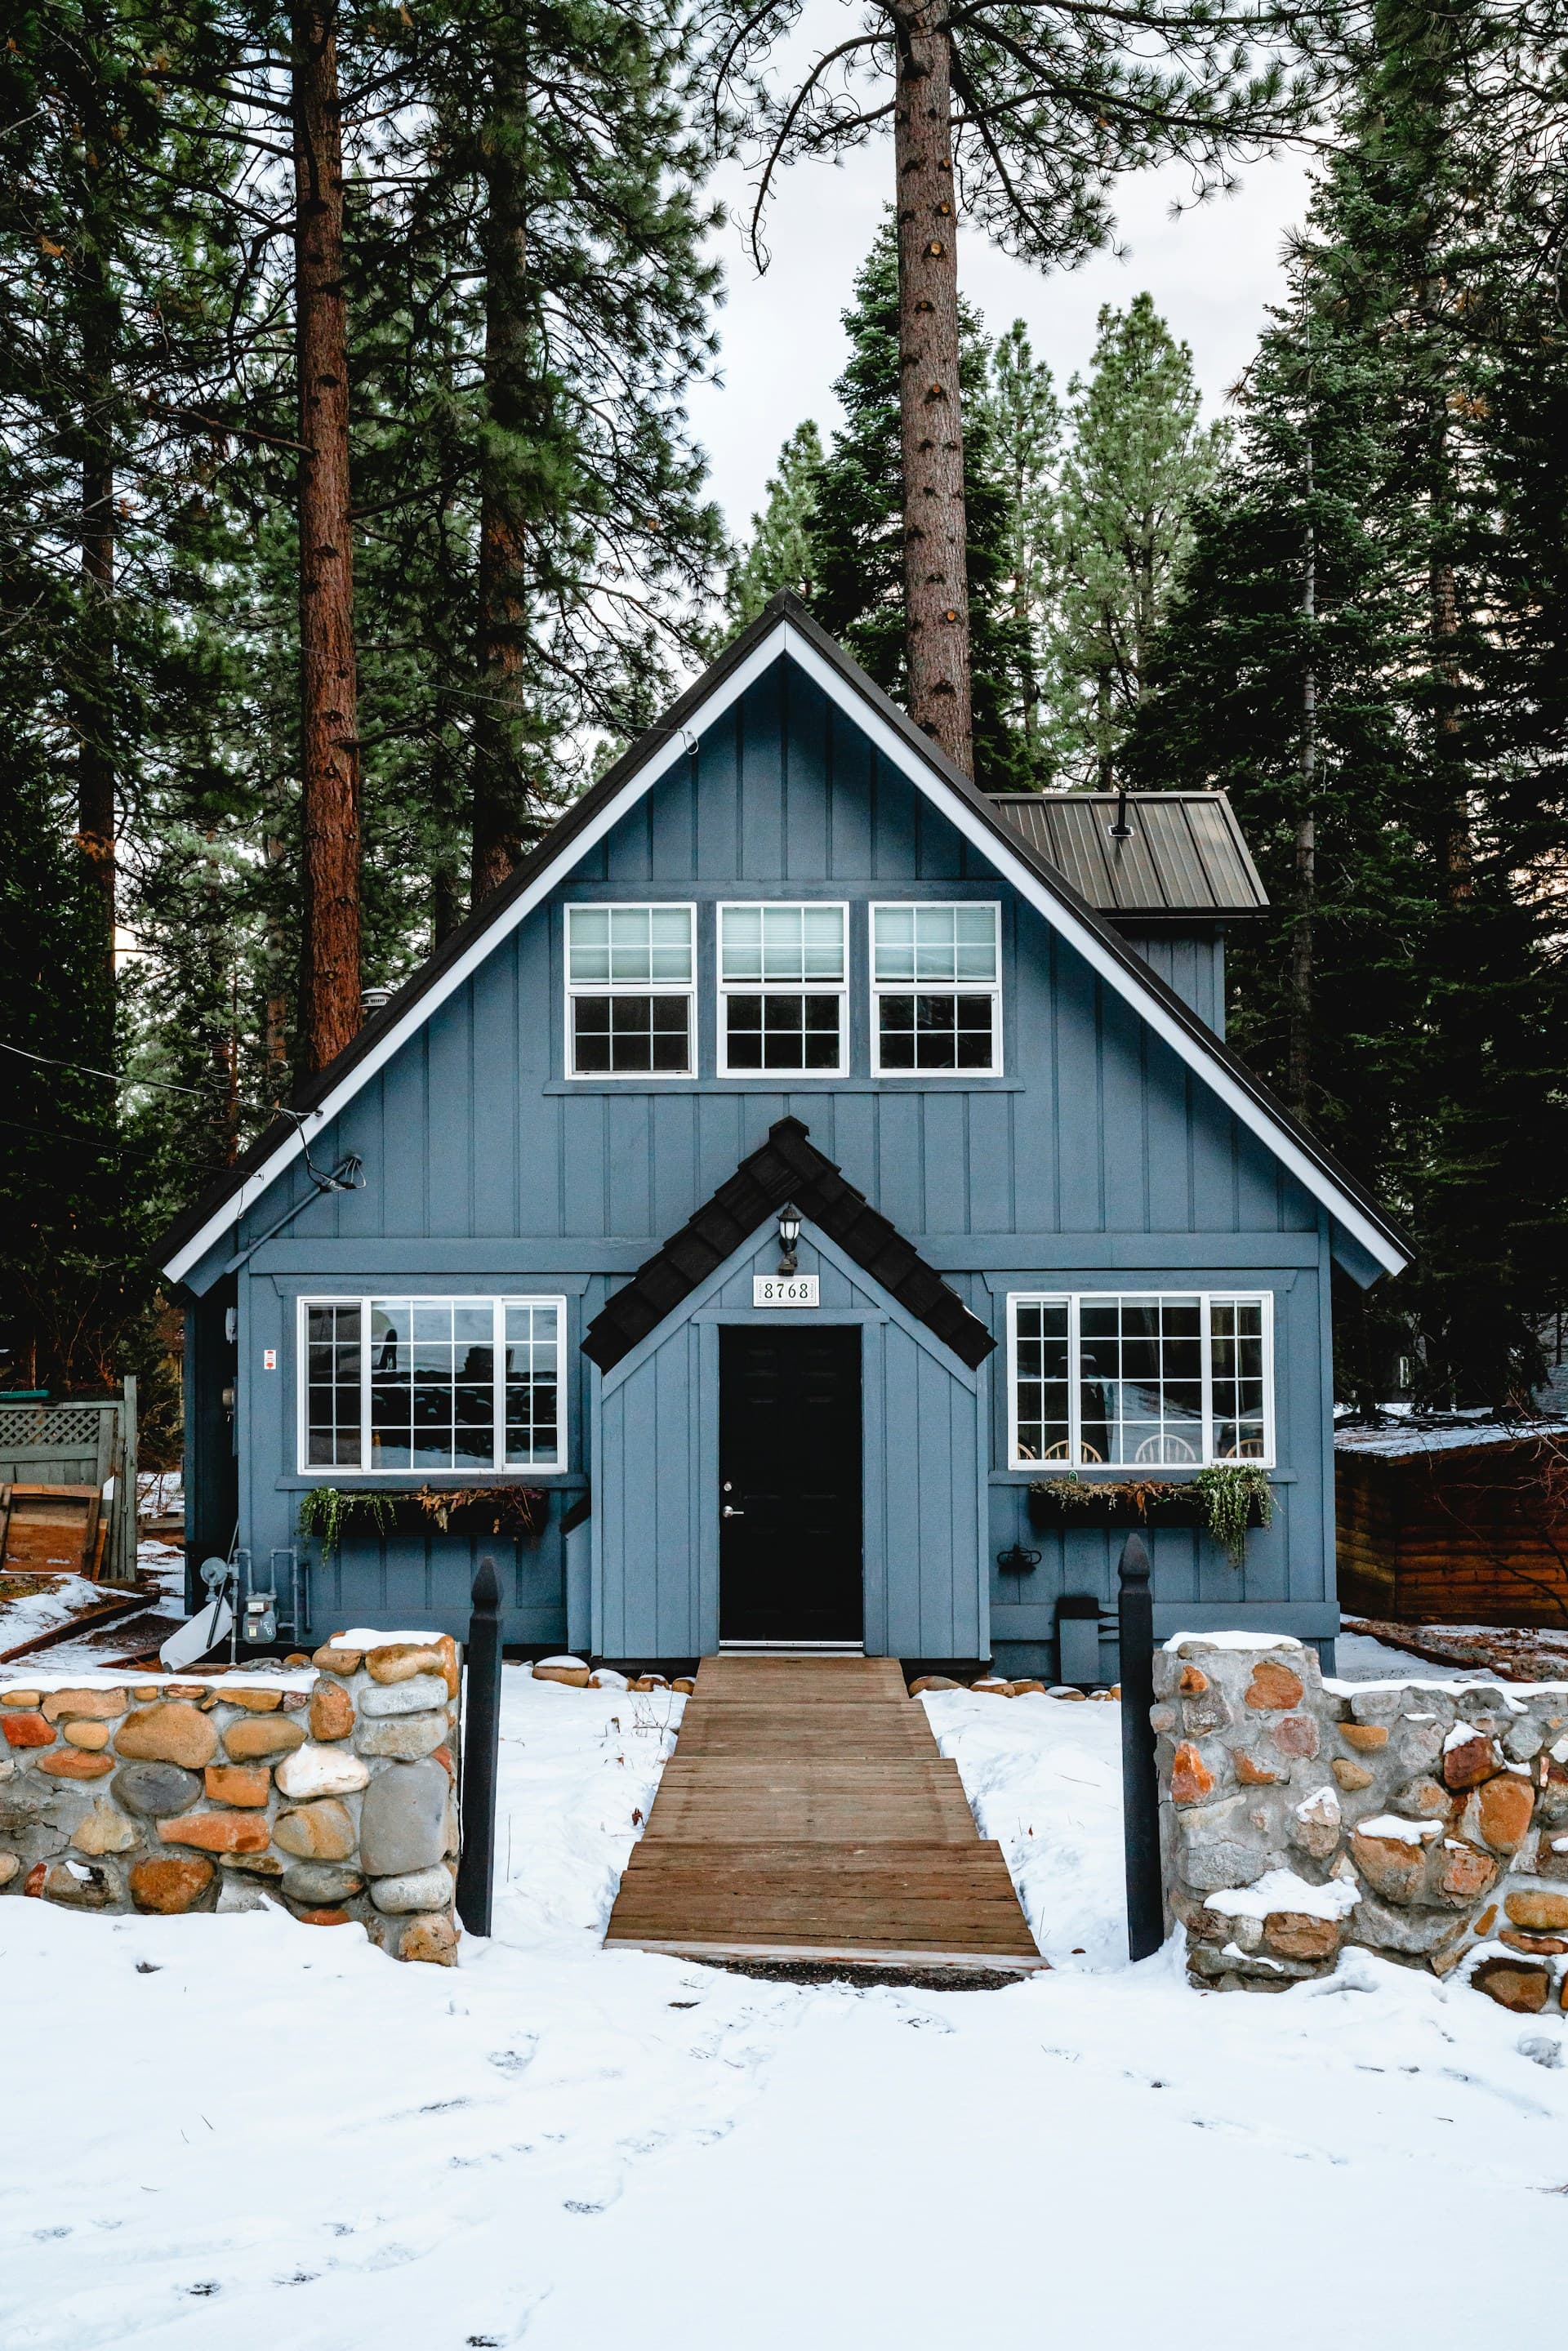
(790,1483)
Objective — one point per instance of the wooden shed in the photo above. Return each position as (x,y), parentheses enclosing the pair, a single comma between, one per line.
(1458,1523)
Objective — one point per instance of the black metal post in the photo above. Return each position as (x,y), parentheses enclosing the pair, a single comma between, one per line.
(481,1750)
(1140,1788)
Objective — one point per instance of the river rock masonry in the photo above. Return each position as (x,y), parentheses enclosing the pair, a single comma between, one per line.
(333,1799)
(1426,1821)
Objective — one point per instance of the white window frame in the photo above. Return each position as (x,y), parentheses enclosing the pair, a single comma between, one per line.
(879,989)
(572,989)
(1074,1301)
(504,1471)
(725,989)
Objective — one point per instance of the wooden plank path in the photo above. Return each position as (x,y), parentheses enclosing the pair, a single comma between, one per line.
(806,1814)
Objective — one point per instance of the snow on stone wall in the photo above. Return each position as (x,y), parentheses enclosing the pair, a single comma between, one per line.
(1426,1821)
(331,1793)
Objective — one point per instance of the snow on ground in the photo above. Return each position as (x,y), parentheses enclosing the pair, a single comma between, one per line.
(242,2133)
(33,1605)
(1359,1658)
(64,1596)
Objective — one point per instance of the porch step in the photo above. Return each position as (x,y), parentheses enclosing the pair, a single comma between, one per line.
(861,1896)
(806,1814)
(868,1803)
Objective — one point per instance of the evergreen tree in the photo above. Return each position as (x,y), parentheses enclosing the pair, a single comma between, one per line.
(1022,419)
(1138,459)
(856,533)
(1025,115)
(778,554)
(535,302)
(118,315)
(1363,651)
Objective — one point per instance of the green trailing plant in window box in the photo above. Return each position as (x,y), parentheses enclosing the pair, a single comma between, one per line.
(326,1511)
(517,1511)
(1224,1500)
(1234,1495)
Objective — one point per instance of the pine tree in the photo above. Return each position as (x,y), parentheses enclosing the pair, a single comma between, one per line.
(1358,629)
(856,533)
(536,303)
(1137,461)
(778,554)
(1022,418)
(1023,115)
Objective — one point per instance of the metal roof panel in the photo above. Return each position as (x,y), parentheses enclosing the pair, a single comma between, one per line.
(1186,859)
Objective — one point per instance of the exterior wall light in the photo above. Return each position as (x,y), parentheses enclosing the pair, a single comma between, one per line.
(788,1234)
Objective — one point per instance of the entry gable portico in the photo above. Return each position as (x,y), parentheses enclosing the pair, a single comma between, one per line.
(905,1392)
(787,1165)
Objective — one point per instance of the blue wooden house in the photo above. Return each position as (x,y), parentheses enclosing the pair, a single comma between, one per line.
(799,1160)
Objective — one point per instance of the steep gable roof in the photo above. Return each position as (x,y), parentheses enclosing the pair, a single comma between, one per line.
(786,630)
(788,1166)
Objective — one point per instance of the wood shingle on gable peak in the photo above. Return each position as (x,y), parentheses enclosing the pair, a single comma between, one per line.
(787,1166)
(786,630)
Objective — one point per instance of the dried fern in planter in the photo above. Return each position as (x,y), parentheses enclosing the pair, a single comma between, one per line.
(516,1510)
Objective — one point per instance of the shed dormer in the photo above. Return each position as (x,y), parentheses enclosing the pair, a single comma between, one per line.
(1170,871)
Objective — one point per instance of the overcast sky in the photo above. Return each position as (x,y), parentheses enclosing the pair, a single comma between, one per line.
(1212,272)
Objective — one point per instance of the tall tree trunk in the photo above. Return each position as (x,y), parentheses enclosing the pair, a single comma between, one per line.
(329,683)
(935,566)
(505,819)
(1299,1044)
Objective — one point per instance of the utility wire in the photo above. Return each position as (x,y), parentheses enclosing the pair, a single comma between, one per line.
(83,1070)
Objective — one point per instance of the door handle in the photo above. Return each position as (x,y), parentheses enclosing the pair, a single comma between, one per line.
(728,1512)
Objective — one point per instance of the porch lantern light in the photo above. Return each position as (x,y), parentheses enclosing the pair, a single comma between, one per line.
(788,1234)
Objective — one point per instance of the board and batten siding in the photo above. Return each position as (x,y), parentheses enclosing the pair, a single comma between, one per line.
(1097,1157)
(473,1130)
(655,1572)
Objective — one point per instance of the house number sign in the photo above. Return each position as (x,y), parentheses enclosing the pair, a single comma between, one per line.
(785,1289)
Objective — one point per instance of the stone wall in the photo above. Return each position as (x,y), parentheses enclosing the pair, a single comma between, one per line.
(1426,1821)
(329,1791)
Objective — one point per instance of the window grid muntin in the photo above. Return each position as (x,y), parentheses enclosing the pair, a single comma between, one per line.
(329,1362)
(492,1321)
(641,958)
(1258,1306)
(923,954)
(780,987)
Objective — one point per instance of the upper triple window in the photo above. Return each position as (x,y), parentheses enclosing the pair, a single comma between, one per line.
(935,984)
(630,978)
(781,986)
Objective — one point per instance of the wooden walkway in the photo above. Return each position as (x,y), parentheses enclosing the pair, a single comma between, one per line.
(806,1813)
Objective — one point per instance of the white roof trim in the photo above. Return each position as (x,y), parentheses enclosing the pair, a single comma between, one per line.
(787,639)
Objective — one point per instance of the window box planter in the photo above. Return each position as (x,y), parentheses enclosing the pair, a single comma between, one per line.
(1101,1502)
(1225,1502)
(512,1513)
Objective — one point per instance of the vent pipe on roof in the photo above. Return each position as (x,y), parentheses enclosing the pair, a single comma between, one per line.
(1120,830)
(372,999)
